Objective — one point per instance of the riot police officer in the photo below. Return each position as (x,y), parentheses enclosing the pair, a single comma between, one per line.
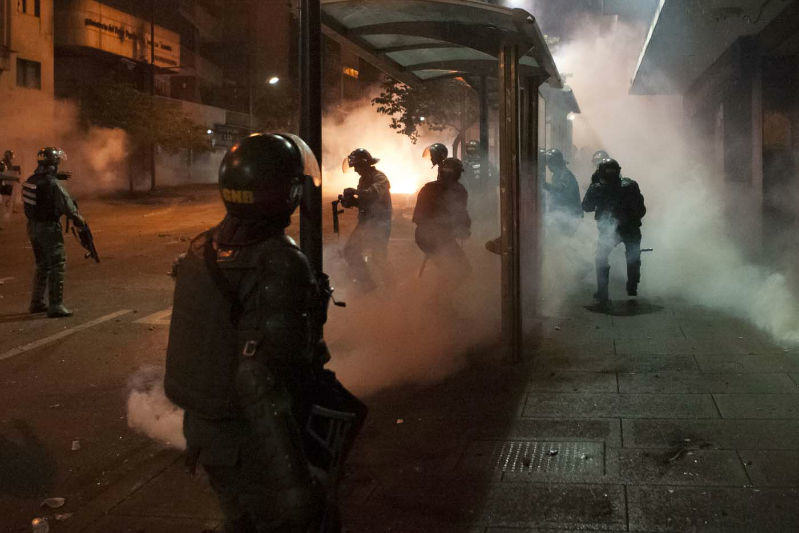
(245,356)
(619,207)
(564,193)
(370,237)
(596,159)
(441,217)
(436,153)
(46,201)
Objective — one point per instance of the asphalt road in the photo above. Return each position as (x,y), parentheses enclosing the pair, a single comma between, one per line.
(63,382)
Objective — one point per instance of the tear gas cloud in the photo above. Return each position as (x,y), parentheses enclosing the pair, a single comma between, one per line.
(697,258)
(150,411)
(95,156)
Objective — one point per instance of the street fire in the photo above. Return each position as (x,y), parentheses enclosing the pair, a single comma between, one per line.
(360,126)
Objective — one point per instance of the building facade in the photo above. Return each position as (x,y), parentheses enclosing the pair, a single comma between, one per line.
(26,47)
(736,65)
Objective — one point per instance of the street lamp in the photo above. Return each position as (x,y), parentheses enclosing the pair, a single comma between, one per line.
(273,80)
(209,132)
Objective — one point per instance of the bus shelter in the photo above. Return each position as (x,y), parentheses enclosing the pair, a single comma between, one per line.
(415,41)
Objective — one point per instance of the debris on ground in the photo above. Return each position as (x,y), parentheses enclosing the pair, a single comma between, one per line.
(54,503)
(62,517)
(400,421)
(552,453)
(75,445)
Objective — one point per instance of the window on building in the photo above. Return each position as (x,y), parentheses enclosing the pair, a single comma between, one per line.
(37,8)
(29,74)
(22,6)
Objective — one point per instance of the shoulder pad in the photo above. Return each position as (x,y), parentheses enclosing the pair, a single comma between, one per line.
(627,182)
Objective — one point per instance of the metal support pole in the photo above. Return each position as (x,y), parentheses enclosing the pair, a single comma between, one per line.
(152,89)
(509,199)
(530,198)
(311,125)
(483,129)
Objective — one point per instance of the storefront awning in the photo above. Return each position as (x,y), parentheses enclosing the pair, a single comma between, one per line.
(418,40)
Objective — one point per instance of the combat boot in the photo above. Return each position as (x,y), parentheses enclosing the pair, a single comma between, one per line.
(37,293)
(602,282)
(57,308)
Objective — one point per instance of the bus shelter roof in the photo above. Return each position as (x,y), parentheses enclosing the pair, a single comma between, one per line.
(414,41)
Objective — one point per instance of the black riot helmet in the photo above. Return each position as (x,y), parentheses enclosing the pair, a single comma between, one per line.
(358,158)
(436,153)
(472,148)
(51,156)
(263,176)
(555,158)
(598,157)
(609,171)
(450,169)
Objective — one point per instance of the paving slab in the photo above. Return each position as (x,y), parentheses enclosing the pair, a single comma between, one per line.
(573,382)
(681,466)
(746,363)
(706,383)
(173,494)
(653,508)
(598,507)
(607,430)
(578,506)
(139,524)
(673,346)
(718,434)
(776,468)
(589,362)
(758,405)
(567,346)
(619,405)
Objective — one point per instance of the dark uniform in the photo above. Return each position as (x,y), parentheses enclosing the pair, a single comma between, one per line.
(441,217)
(370,237)
(246,356)
(564,194)
(619,207)
(46,201)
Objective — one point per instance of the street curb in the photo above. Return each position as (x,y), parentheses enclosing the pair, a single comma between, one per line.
(124,488)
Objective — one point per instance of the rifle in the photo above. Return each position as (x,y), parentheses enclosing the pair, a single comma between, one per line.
(336,213)
(86,239)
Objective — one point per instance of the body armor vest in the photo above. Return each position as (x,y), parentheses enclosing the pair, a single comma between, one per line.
(202,353)
(38,193)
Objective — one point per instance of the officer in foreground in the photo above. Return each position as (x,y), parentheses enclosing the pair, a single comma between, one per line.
(619,207)
(441,217)
(563,194)
(46,201)
(370,237)
(246,357)
(436,153)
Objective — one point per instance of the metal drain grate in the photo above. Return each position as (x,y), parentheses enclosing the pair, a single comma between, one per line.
(553,457)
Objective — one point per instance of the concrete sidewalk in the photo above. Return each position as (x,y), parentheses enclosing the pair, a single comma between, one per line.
(664,417)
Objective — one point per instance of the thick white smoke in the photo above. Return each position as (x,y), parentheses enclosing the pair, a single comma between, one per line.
(96,156)
(150,411)
(700,256)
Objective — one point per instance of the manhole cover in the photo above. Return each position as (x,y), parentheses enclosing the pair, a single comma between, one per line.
(555,457)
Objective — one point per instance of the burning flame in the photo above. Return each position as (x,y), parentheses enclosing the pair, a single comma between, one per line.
(362,127)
